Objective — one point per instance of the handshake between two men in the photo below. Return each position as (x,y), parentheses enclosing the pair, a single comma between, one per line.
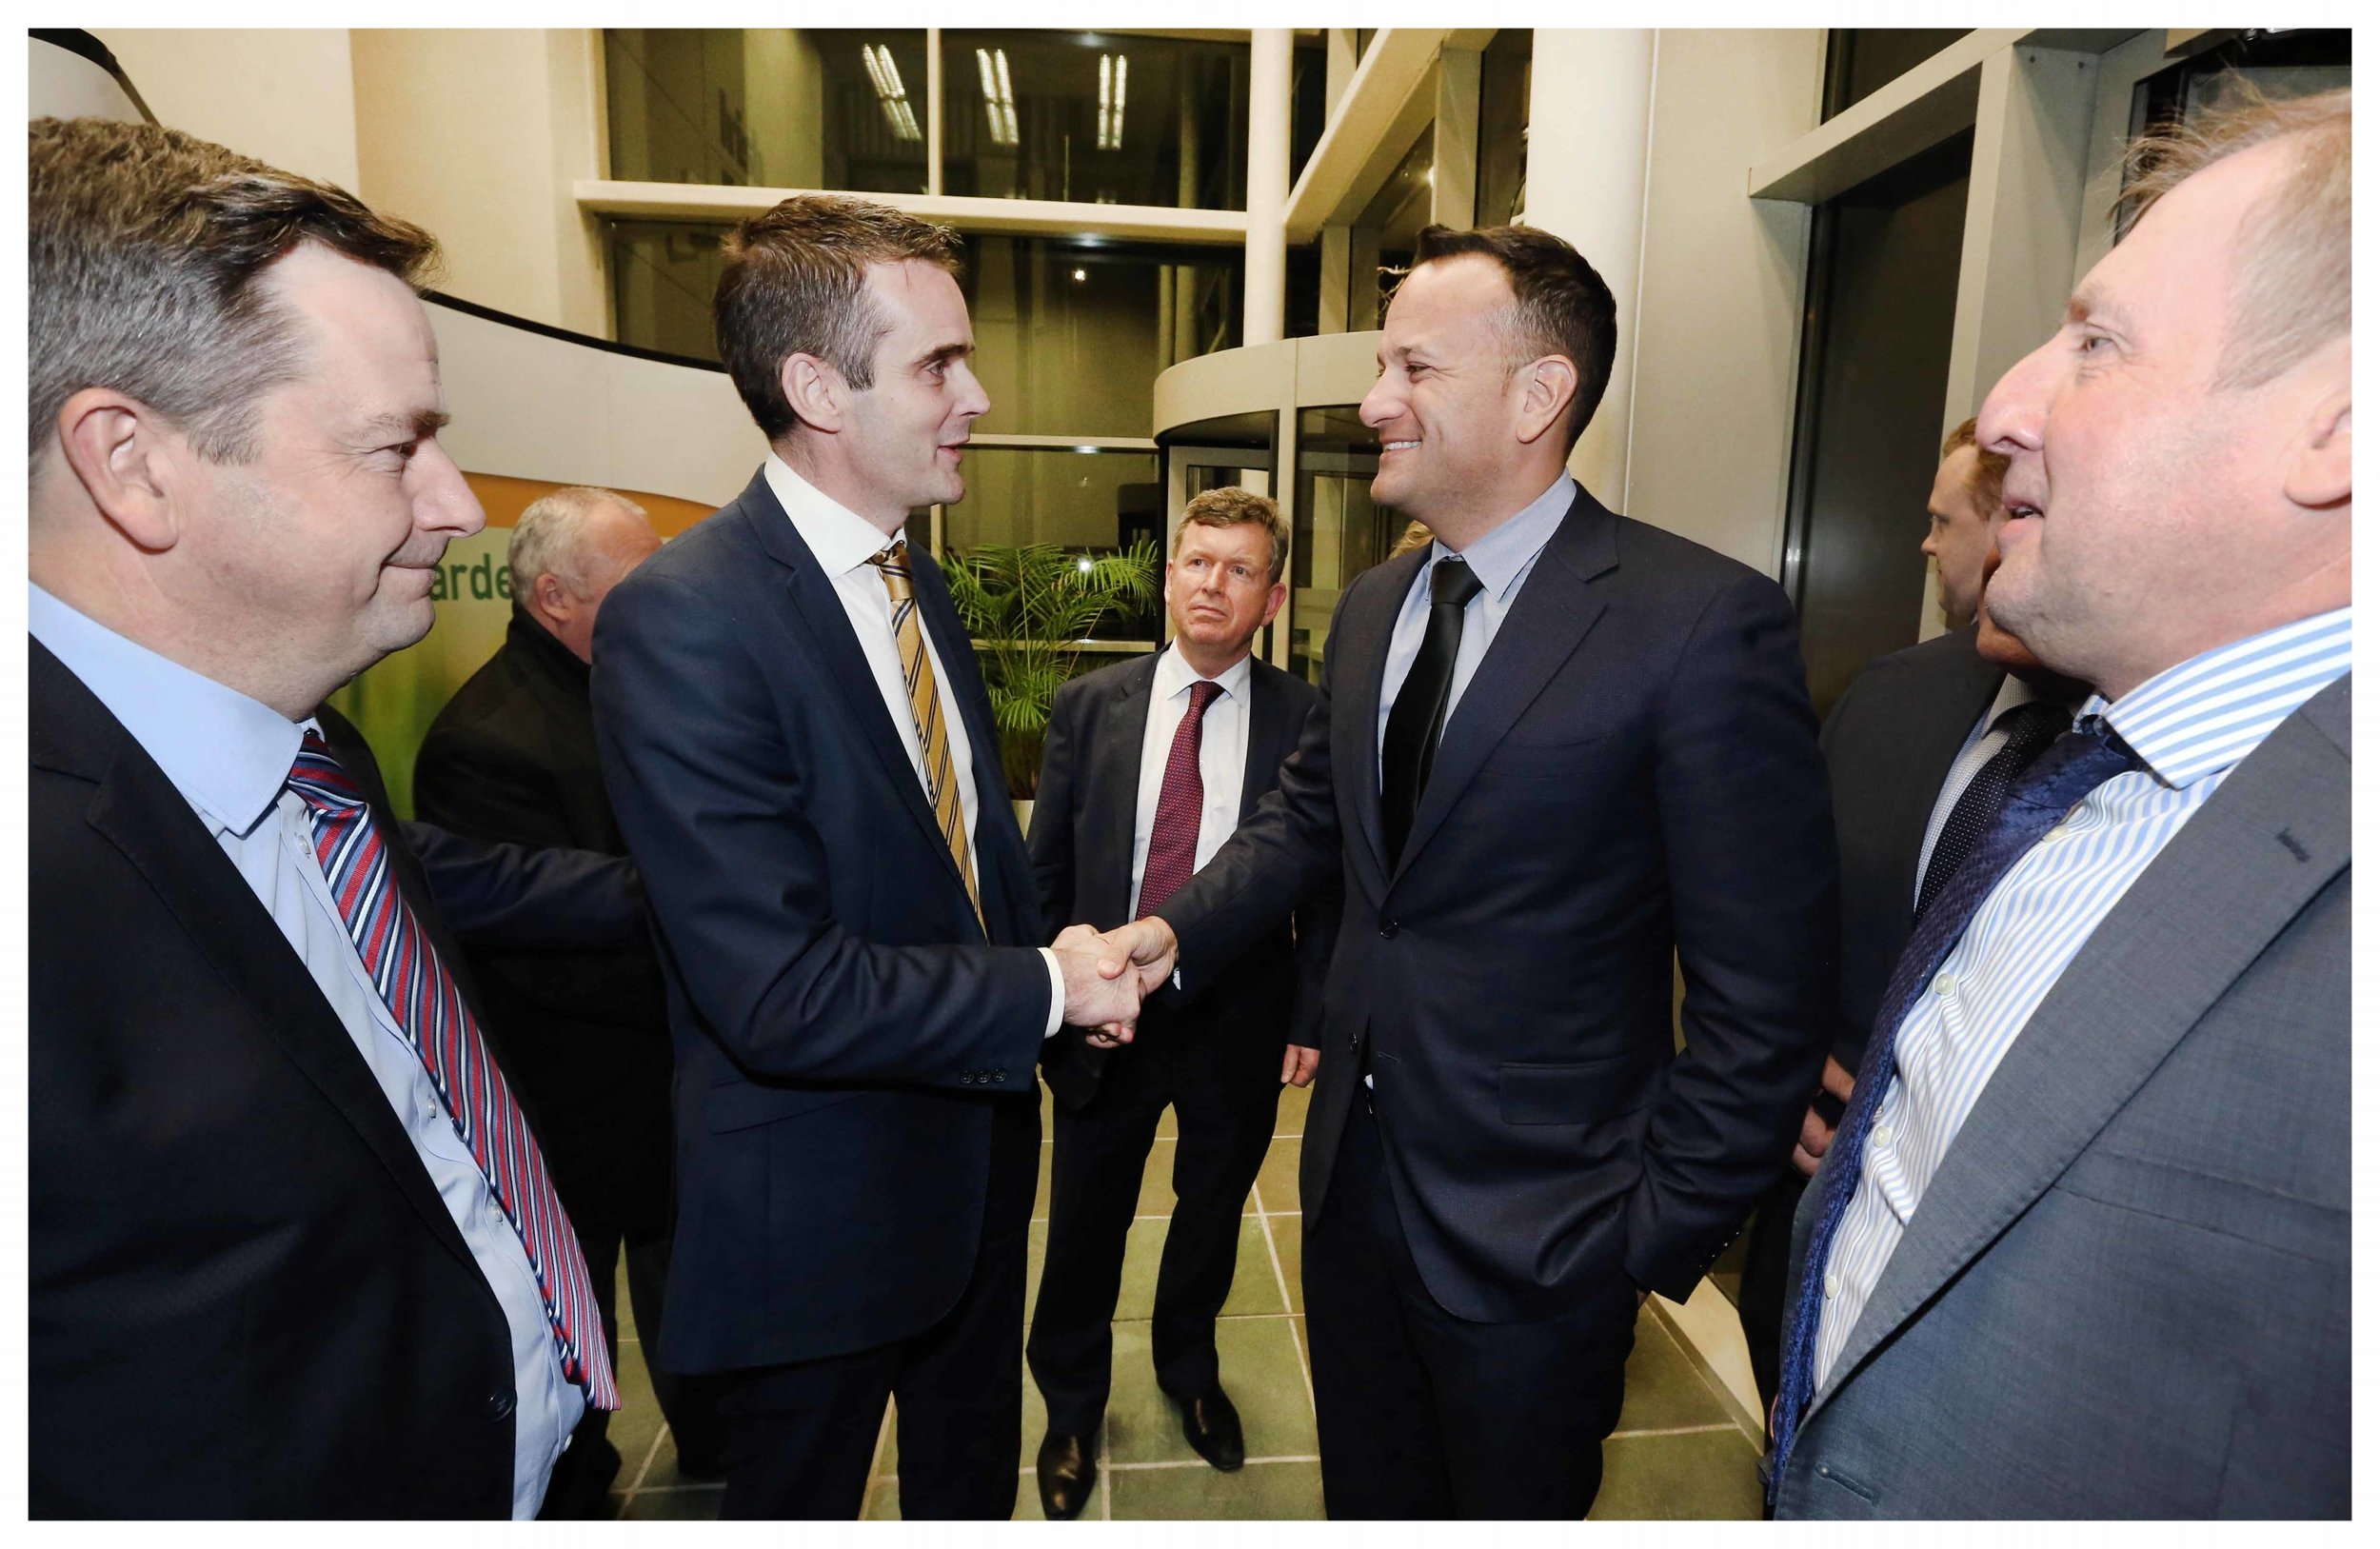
(1110,973)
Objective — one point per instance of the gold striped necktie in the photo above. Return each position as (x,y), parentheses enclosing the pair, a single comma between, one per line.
(926,711)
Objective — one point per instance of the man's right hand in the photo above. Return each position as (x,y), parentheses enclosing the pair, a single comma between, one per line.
(1817,1134)
(1147,944)
(1095,999)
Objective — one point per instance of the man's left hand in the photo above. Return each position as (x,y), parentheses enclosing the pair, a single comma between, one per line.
(1296,1064)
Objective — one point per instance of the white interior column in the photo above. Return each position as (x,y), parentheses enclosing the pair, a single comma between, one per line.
(1268,185)
(1590,111)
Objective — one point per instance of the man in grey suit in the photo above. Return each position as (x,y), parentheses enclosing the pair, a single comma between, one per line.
(2080,1245)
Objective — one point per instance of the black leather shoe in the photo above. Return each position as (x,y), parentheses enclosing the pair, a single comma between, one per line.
(1211,1427)
(1067,1469)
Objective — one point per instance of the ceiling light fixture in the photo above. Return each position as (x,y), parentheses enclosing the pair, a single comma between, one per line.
(890,94)
(1112,69)
(999,104)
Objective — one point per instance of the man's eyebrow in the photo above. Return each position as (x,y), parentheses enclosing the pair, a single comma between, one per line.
(957,350)
(2089,303)
(415,424)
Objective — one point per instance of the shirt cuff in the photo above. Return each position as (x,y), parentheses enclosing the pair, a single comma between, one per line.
(1057,993)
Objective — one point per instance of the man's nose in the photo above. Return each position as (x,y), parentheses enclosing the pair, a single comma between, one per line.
(443,500)
(2012,415)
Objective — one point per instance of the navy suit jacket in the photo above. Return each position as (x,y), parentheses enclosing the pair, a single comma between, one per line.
(841,1024)
(1633,773)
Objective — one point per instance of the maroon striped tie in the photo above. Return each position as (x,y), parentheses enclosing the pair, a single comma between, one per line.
(422,996)
(1174,835)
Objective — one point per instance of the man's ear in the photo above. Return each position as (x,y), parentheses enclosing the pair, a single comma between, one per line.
(552,596)
(1549,383)
(2321,473)
(817,391)
(128,462)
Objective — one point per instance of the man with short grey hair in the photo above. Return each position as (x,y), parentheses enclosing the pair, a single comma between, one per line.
(512,757)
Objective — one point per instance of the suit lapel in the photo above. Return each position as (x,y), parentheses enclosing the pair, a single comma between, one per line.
(1934,711)
(2218,895)
(819,617)
(1115,797)
(1269,729)
(1555,608)
(1359,655)
(136,809)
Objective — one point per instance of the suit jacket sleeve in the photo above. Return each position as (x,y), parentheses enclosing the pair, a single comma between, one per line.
(1287,852)
(708,788)
(495,894)
(1749,834)
(1051,844)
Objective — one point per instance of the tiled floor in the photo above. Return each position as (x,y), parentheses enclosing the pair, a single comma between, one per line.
(1681,1450)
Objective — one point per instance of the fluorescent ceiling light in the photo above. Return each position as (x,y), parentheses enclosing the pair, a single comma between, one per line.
(890,94)
(999,104)
(1112,68)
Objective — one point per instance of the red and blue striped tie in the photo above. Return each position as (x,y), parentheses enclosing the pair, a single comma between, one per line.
(423,998)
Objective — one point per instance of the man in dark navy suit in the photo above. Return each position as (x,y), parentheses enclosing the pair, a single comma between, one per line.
(802,759)
(1559,750)
(1149,767)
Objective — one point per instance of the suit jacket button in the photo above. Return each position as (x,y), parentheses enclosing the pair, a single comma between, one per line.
(1388,930)
(500,1404)
(999,1076)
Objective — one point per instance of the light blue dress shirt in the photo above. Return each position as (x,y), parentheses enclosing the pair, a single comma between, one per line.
(1502,560)
(2192,725)
(229,757)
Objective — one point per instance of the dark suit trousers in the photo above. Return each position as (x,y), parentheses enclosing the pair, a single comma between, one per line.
(801,1437)
(1095,1187)
(1423,1415)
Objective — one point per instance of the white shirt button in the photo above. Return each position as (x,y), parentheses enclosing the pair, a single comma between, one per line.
(1944,985)
(1833,1286)
(1884,1134)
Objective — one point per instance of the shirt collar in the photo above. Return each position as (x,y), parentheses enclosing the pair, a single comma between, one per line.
(1174,675)
(1498,556)
(840,538)
(2201,718)
(228,754)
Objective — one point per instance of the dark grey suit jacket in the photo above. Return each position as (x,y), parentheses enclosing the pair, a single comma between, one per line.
(2126,1293)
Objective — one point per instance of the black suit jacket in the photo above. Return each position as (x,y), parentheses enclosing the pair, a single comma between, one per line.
(1084,816)
(843,1026)
(1889,743)
(1633,771)
(247,1299)
(512,757)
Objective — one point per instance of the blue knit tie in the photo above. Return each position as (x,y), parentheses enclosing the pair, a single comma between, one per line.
(2077,764)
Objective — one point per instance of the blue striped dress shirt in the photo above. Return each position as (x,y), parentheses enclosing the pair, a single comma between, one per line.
(2191,725)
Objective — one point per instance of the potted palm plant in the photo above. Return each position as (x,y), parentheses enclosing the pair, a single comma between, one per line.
(1029,608)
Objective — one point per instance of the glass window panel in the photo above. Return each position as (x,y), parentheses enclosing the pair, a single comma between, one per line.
(663,276)
(768,106)
(1504,68)
(1108,118)
(1070,333)
(1337,533)
(1091,502)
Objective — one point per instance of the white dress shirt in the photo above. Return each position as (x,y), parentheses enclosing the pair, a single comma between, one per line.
(1502,560)
(843,541)
(1222,758)
(2191,725)
(1984,739)
(229,757)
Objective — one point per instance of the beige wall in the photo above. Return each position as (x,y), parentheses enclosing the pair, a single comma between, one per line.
(283,95)
(1719,319)
(478,136)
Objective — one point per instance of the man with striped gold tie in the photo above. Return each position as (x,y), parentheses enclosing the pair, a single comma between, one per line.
(2080,1246)
(805,766)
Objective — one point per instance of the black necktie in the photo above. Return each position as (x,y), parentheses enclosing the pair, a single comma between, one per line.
(1419,714)
(2030,728)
